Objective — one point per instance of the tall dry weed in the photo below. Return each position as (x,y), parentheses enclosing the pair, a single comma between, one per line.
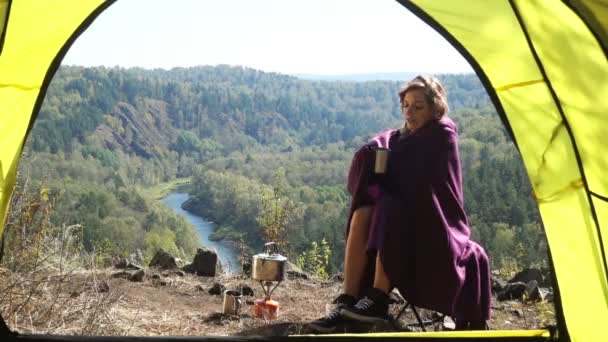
(48,282)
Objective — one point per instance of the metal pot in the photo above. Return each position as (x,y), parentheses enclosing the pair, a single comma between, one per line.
(269,266)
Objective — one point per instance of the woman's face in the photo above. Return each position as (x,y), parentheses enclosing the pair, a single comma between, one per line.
(416,111)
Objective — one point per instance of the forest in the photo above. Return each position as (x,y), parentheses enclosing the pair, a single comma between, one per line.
(252,143)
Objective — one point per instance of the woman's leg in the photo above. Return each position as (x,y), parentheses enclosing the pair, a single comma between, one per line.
(355,259)
(374,307)
(355,256)
(381,281)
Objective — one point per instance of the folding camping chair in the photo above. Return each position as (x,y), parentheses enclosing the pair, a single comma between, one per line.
(421,323)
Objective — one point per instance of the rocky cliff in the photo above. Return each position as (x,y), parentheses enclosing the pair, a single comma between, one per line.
(144,130)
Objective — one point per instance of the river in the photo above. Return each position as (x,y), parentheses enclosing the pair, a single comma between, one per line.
(225,251)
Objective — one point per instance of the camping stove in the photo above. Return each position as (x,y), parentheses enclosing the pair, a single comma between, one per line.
(269,270)
(267,308)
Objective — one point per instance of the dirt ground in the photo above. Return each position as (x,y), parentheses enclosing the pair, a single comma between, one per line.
(180,305)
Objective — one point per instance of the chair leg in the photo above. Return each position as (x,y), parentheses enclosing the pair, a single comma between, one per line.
(418,318)
(421,323)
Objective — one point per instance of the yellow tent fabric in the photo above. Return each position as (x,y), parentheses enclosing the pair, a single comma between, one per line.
(548,75)
(543,63)
(36,37)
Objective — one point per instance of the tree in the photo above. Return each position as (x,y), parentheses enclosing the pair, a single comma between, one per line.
(276,210)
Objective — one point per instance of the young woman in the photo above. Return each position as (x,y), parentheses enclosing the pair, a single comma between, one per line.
(407,228)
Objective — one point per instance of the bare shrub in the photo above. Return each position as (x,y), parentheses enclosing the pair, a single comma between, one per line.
(48,283)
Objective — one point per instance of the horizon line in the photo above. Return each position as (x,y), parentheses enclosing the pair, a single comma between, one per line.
(296,74)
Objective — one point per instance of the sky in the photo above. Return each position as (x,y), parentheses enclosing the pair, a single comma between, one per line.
(321,37)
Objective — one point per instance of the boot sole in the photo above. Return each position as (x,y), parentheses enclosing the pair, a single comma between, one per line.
(362,318)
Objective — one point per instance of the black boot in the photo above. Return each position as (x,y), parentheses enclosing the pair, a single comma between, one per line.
(329,322)
(371,309)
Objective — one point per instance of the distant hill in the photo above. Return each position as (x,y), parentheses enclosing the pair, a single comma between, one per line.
(380,76)
(103,132)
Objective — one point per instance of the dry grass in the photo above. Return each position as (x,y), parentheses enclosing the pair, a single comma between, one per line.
(48,283)
(173,306)
(69,303)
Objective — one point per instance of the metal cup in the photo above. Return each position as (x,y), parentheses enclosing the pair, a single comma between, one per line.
(381,159)
(232,302)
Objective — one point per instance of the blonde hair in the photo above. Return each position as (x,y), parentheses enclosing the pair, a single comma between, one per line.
(433,90)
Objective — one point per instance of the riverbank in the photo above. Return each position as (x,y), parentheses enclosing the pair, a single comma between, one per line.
(161,190)
(204,228)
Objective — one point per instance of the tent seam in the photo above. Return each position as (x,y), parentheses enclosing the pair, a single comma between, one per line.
(518,84)
(603,198)
(20,87)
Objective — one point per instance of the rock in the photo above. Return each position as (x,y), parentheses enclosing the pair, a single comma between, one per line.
(144,134)
(518,313)
(548,276)
(126,264)
(121,274)
(217,289)
(137,258)
(156,276)
(337,278)
(547,294)
(160,282)
(395,298)
(297,275)
(528,275)
(219,269)
(246,268)
(164,260)
(178,273)
(204,263)
(533,292)
(294,272)
(512,291)
(448,323)
(498,285)
(137,276)
(246,290)
(102,286)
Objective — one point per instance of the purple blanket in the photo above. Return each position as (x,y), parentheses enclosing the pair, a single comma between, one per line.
(419,226)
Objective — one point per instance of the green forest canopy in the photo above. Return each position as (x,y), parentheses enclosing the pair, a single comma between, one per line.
(103,133)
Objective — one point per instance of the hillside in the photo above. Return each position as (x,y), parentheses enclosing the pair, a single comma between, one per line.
(144,130)
(252,142)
